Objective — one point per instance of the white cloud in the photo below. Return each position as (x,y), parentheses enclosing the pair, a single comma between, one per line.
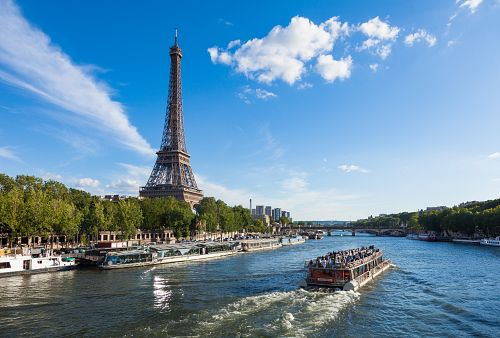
(378,29)
(494,155)
(304,85)
(264,94)
(248,93)
(219,56)
(233,44)
(284,51)
(138,172)
(124,187)
(472,5)
(302,203)
(348,168)
(380,37)
(331,69)
(30,61)
(294,183)
(88,182)
(420,35)
(452,42)
(374,67)
(8,153)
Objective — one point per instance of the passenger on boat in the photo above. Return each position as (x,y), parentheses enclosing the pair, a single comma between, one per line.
(343,258)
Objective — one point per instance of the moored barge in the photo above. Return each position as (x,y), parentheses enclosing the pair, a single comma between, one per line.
(25,261)
(346,270)
(260,244)
(167,253)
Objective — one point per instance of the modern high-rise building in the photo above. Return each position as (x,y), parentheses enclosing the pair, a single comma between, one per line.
(276,214)
(268,211)
(259,210)
(172,174)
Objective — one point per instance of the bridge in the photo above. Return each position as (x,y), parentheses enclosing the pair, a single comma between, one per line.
(374,231)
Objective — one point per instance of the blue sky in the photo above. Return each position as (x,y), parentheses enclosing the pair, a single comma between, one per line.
(329,109)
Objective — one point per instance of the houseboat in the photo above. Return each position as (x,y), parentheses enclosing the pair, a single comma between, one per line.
(346,270)
(260,244)
(31,261)
(167,253)
(292,240)
(491,241)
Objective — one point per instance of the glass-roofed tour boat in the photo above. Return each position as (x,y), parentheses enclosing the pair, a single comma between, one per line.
(167,253)
(347,269)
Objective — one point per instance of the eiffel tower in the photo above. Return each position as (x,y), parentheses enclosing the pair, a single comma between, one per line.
(172,174)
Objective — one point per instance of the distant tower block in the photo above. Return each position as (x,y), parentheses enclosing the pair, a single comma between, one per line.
(172,174)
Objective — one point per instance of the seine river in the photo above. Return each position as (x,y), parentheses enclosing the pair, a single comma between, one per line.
(436,289)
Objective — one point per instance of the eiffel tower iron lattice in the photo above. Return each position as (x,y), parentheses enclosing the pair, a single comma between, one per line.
(172,174)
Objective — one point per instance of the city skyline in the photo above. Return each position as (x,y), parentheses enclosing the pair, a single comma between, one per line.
(327,111)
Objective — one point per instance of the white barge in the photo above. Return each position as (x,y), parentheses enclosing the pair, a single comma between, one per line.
(292,240)
(260,244)
(491,241)
(167,253)
(26,262)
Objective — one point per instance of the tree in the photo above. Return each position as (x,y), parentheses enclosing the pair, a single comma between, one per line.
(12,209)
(242,218)
(207,212)
(37,213)
(284,220)
(95,219)
(129,217)
(66,218)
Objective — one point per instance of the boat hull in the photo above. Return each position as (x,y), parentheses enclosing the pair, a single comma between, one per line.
(38,271)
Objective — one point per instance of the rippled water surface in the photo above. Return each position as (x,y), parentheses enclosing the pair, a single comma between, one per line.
(436,289)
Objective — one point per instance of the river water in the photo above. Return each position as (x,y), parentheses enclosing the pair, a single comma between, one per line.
(435,289)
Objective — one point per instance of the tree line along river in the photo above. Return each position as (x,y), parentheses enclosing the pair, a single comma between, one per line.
(436,289)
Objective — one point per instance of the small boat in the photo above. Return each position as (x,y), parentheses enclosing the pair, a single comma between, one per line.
(32,261)
(427,237)
(292,240)
(412,236)
(352,270)
(260,244)
(491,241)
(465,240)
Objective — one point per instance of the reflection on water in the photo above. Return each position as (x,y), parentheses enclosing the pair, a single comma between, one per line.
(162,293)
(436,289)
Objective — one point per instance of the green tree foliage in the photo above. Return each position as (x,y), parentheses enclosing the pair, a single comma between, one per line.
(468,218)
(30,206)
(129,217)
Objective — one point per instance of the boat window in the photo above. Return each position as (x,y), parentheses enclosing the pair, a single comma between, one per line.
(5,265)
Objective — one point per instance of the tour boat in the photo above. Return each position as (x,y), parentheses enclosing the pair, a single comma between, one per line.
(260,244)
(292,240)
(491,241)
(166,253)
(346,276)
(26,261)
(317,235)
